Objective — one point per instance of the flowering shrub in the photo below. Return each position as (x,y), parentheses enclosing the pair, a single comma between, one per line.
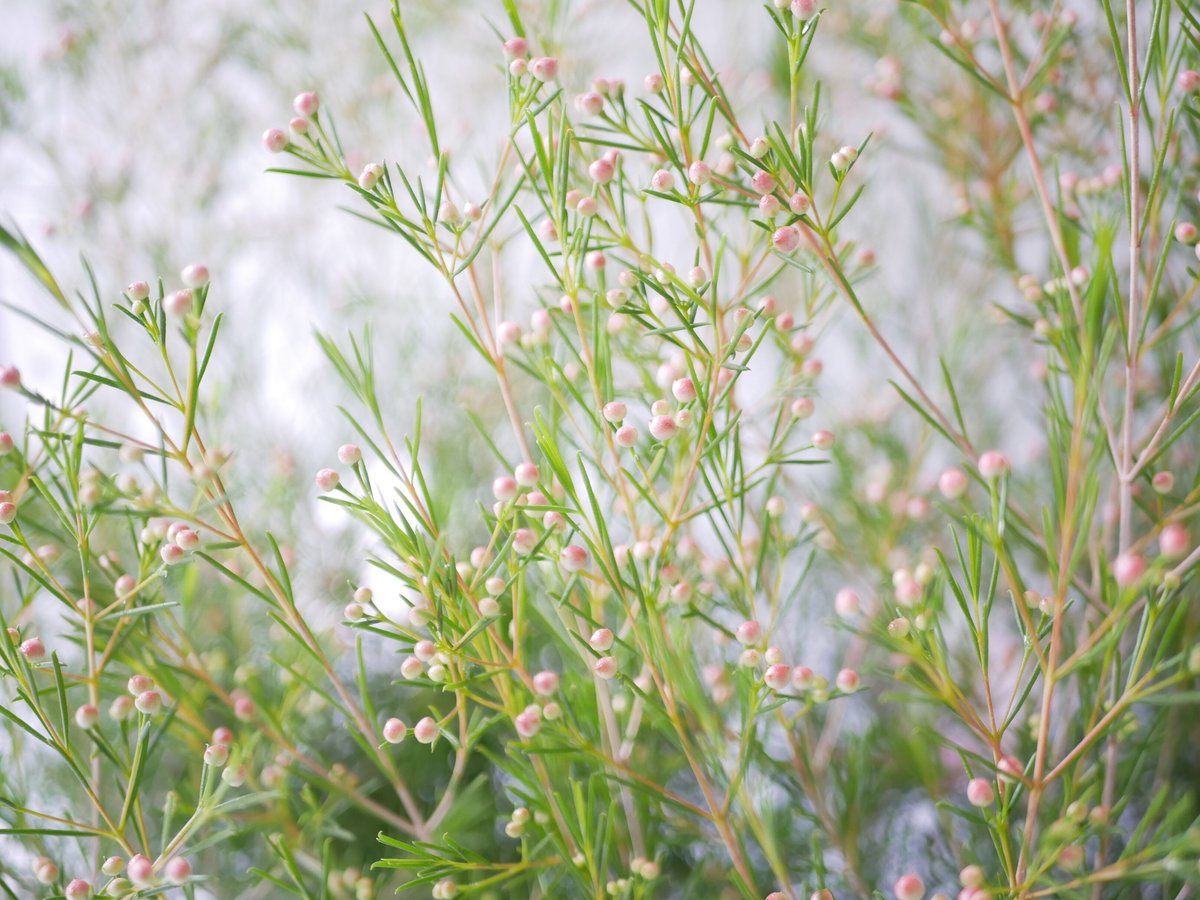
(705,629)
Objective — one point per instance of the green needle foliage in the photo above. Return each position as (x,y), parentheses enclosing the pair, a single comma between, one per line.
(705,634)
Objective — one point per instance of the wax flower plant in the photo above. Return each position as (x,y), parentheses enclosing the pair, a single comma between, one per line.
(706,629)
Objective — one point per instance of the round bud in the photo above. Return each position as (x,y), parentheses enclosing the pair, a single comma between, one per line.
(426,730)
(544,68)
(847,681)
(786,239)
(194,276)
(148,702)
(601,640)
(274,140)
(909,887)
(573,558)
(952,483)
(140,870)
(980,792)
(326,480)
(216,755)
(662,181)
(178,869)
(605,667)
(993,464)
(87,716)
(1173,541)
(1128,568)
(306,104)
(178,303)
(33,649)
(663,428)
(699,172)
(78,889)
(394,731)
(748,633)
(846,603)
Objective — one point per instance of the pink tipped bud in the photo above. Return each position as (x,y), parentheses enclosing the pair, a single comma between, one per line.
(573,558)
(625,436)
(411,668)
(823,440)
(298,126)
(846,603)
(653,83)
(178,869)
(1185,232)
(394,731)
(1163,482)
(370,176)
(504,488)
(1010,769)
(777,677)
(274,140)
(527,474)
(847,681)
(952,483)
(699,172)
(33,649)
(349,454)
(1128,568)
(601,640)
(139,684)
(194,276)
(663,428)
(749,632)
(804,9)
(306,104)
(528,722)
(1173,541)
(590,103)
(78,889)
(523,541)
(216,755)
(587,207)
(244,708)
(544,68)
(326,480)
(769,206)
(112,866)
(137,290)
(980,792)
(148,702)
(993,464)
(662,181)
(120,708)
(140,870)
(601,171)
(426,731)
(172,554)
(971,876)
(515,48)
(909,887)
(222,734)
(178,303)
(508,333)
(762,182)
(684,390)
(545,683)
(614,412)
(426,650)
(87,716)
(605,667)
(1189,81)
(786,239)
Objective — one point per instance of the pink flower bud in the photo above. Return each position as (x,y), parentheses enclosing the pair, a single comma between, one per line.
(194,276)
(804,9)
(1010,769)
(1163,482)
(601,171)
(33,649)
(625,436)
(523,541)
(120,708)
(699,172)
(762,182)
(528,722)
(653,83)
(971,876)
(139,684)
(504,488)
(1189,81)
(394,731)
(411,668)
(993,464)
(349,454)
(846,603)
(148,702)
(222,734)
(786,239)
(137,290)
(178,869)
(587,208)
(1173,541)
(298,126)
(8,512)
(178,303)
(306,104)
(517,68)
(370,176)
(140,870)
(545,683)
(684,390)
(1185,233)
(952,483)
(909,887)
(87,716)
(663,428)
(274,140)
(823,440)
(527,474)
(980,792)
(777,676)
(216,755)
(614,412)
(515,48)
(243,708)
(1128,568)
(601,640)
(186,539)
(590,103)
(326,480)
(172,554)
(573,558)
(605,667)
(544,68)
(662,181)
(78,889)
(847,681)
(749,632)
(426,731)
